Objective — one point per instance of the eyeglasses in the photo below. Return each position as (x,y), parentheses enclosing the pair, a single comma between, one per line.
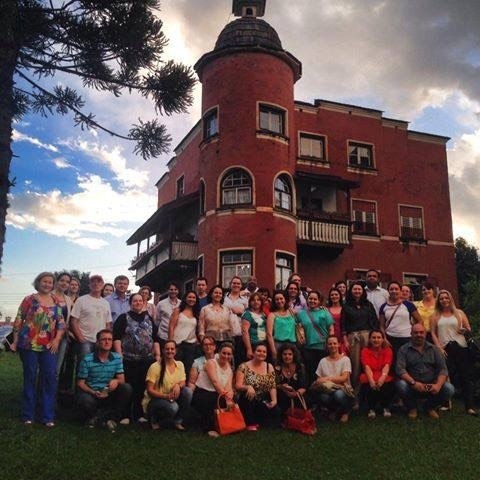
(106,340)
(208,344)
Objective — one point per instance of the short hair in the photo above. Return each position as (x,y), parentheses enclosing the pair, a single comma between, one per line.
(120,277)
(130,298)
(264,290)
(428,285)
(208,337)
(202,279)
(373,270)
(101,332)
(226,344)
(237,278)
(146,287)
(321,298)
(38,278)
(293,274)
(394,282)
(63,274)
(175,284)
(253,296)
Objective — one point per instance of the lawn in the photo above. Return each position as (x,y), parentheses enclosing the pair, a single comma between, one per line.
(381,449)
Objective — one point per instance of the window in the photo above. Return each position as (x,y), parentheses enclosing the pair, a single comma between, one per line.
(414,281)
(202,197)
(364,217)
(200,266)
(236,188)
(284,265)
(411,223)
(360,155)
(235,264)
(210,124)
(283,193)
(312,146)
(272,119)
(181,186)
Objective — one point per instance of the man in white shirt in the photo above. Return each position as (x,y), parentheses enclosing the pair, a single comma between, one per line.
(375,294)
(90,314)
(164,311)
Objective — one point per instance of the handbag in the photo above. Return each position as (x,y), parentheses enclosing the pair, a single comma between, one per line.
(229,419)
(300,419)
(331,387)
(299,330)
(472,345)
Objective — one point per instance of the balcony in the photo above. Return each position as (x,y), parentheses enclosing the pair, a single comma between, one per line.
(328,233)
(175,255)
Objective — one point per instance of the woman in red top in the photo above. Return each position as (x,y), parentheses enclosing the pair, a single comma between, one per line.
(376,380)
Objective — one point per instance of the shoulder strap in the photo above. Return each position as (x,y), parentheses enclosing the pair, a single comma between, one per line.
(320,333)
(389,321)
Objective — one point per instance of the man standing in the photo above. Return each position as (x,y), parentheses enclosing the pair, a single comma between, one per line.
(423,374)
(252,287)
(101,384)
(202,291)
(118,300)
(375,294)
(90,314)
(164,311)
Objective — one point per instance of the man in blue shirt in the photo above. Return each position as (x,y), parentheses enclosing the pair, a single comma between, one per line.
(101,384)
(118,300)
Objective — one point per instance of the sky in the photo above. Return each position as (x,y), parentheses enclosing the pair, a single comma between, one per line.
(79,195)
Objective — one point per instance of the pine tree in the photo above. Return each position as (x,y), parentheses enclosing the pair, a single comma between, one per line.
(112,45)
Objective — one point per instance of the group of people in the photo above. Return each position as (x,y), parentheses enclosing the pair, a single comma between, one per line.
(129,360)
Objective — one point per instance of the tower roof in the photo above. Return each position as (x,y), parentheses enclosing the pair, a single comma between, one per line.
(249,32)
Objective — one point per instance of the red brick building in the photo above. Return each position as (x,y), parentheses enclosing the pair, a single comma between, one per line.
(267,185)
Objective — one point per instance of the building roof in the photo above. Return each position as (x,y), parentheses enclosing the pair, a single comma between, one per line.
(248,32)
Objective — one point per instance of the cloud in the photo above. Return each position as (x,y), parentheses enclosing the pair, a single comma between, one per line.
(61,163)
(22,137)
(87,217)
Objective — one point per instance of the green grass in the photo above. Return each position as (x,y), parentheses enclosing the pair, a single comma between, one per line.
(382,449)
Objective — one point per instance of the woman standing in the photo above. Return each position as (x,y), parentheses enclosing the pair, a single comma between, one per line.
(65,303)
(216,379)
(146,293)
(37,332)
(74,289)
(290,376)
(318,325)
(341,286)
(376,380)
(253,324)
(166,397)
(237,303)
(407,293)
(358,320)
(255,381)
(135,339)
(214,318)
(448,327)
(183,329)
(333,382)
(107,290)
(334,306)
(280,323)
(295,299)
(426,306)
(396,318)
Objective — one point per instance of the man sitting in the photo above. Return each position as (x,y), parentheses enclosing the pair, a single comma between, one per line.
(423,374)
(101,384)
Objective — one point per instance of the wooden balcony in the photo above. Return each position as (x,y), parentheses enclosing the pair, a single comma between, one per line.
(329,233)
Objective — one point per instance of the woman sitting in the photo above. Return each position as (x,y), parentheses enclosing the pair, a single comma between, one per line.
(253,324)
(318,325)
(332,387)
(255,381)
(290,376)
(166,397)
(376,382)
(214,380)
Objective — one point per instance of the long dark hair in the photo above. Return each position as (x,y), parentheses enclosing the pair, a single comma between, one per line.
(184,304)
(287,296)
(329,302)
(163,364)
(350,300)
(209,295)
(274,307)
(296,355)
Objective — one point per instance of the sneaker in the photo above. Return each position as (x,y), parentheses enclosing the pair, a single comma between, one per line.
(142,420)
(111,426)
(124,421)
(252,428)
(433,414)
(387,413)
(213,434)
(446,407)
(473,412)
(50,424)
(344,418)
(371,414)
(91,422)
(179,427)
(412,414)
(155,425)
(27,422)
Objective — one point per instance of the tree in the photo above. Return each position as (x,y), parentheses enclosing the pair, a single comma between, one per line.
(82,276)
(111,45)
(467,265)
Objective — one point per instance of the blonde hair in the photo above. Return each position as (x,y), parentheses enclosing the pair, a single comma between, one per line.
(438,308)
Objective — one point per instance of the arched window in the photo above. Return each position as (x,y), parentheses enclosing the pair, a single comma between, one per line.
(283,193)
(236,188)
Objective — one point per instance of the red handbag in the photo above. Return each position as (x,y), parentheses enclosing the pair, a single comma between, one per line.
(300,419)
(229,419)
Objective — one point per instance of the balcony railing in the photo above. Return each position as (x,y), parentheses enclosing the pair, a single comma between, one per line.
(324,232)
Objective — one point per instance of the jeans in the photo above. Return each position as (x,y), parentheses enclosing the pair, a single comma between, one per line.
(46,363)
(112,407)
(337,400)
(82,349)
(162,409)
(410,396)
(62,350)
